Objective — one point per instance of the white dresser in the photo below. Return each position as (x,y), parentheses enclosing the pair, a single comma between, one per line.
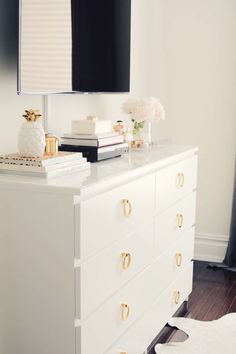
(97,264)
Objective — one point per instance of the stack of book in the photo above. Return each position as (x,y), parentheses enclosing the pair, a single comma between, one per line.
(48,166)
(95,139)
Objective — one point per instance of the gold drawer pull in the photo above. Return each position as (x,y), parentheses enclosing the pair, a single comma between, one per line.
(176,296)
(125,260)
(180,220)
(180,180)
(125,312)
(123,352)
(178,258)
(127,207)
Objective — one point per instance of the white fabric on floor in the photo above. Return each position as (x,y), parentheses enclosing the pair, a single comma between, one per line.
(213,337)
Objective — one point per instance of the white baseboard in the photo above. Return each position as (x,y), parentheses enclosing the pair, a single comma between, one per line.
(210,248)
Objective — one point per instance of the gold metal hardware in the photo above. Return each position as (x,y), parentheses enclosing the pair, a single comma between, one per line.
(176,296)
(127,207)
(180,180)
(125,260)
(123,352)
(51,148)
(125,312)
(178,258)
(180,220)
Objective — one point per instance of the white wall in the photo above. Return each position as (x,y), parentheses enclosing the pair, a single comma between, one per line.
(199,92)
(183,51)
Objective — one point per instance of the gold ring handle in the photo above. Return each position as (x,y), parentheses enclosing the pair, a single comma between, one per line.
(126,259)
(181,179)
(178,259)
(127,208)
(125,312)
(180,220)
(176,296)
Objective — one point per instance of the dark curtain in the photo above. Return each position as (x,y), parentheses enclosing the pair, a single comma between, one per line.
(230,257)
(229,261)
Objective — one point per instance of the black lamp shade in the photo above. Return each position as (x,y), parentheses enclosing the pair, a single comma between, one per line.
(101,45)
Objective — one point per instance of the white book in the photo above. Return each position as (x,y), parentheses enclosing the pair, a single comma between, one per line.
(46,160)
(96,143)
(42,169)
(50,174)
(91,136)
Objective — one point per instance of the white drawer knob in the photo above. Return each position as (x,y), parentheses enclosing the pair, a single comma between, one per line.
(180,180)
(125,260)
(127,208)
(180,220)
(178,258)
(125,312)
(176,296)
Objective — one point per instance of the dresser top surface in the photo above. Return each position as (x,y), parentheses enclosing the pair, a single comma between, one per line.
(103,175)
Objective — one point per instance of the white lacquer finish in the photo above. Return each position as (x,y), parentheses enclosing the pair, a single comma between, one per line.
(114,214)
(175,182)
(97,262)
(109,270)
(175,222)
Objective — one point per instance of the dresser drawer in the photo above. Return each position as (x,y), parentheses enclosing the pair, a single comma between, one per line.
(137,295)
(174,223)
(98,278)
(175,182)
(108,217)
(137,338)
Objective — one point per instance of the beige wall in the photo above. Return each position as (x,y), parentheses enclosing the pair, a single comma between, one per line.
(199,93)
(183,51)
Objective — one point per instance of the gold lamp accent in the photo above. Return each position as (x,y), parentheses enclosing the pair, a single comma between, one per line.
(176,296)
(127,208)
(180,220)
(180,179)
(178,259)
(126,259)
(125,312)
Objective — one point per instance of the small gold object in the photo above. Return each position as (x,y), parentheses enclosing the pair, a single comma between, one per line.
(125,260)
(92,118)
(178,258)
(180,180)
(180,220)
(32,115)
(51,145)
(125,312)
(127,208)
(176,296)
(123,352)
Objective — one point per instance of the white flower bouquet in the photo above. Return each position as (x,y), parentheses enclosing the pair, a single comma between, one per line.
(142,112)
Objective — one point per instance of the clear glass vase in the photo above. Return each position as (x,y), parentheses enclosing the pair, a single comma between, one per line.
(142,137)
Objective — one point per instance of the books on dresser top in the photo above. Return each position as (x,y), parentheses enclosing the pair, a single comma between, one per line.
(96,142)
(46,160)
(47,166)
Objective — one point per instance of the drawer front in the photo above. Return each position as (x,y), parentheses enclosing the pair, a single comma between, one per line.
(175,182)
(137,339)
(174,223)
(98,278)
(140,293)
(107,218)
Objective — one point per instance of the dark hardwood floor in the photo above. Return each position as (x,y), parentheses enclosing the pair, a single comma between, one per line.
(214,295)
